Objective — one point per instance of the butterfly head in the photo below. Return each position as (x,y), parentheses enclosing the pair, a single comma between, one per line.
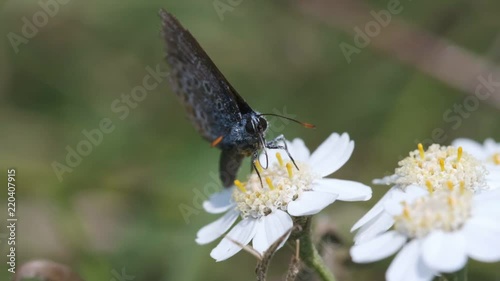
(256,125)
(247,136)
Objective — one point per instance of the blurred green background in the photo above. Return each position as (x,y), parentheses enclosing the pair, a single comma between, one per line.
(119,208)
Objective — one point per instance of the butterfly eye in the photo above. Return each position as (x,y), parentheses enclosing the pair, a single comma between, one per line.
(262,124)
(250,127)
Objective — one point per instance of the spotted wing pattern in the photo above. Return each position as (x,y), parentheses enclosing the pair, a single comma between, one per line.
(211,103)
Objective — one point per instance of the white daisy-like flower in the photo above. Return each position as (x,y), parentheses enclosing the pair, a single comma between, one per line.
(488,153)
(266,209)
(435,169)
(436,233)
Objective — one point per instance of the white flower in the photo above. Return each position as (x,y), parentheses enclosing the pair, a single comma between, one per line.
(435,169)
(488,153)
(266,209)
(437,233)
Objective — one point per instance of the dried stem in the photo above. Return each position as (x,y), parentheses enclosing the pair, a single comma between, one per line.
(294,267)
(430,54)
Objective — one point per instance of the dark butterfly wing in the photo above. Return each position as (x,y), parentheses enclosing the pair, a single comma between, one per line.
(230,161)
(211,103)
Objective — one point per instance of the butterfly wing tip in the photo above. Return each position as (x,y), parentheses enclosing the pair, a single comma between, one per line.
(166,17)
(168,21)
(162,13)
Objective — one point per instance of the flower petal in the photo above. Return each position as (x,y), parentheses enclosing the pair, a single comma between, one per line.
(242,233)
(409,194)
(299,150)
(493,177)
(483,243)
(377,248)
(491,146)
(270,228)
(346,190)
(487,196)
(408,265)
(310,203)
(332,154)
(486,205)
(381,223)
(214,230)
(325,147)
(380,217)
(394,207)
(219,202)
(296,148)
(444,251)
(488,210)
(374,211)
(388,180)
(472,147)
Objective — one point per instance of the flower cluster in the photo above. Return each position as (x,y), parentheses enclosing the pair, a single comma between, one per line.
(442,207)
(269,199)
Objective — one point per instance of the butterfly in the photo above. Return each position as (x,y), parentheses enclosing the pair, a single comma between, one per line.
(214,107)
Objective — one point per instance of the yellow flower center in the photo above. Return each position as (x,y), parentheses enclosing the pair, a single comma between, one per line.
(439,167)
(442,210)
(281,184)
(496,158)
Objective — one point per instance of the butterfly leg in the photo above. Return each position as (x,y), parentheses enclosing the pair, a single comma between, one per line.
(255,156)
(280,143)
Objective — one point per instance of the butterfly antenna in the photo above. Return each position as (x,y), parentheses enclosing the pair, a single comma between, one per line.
(303,124)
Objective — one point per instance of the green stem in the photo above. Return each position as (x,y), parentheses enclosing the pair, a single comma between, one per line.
(310,256)
(462,274)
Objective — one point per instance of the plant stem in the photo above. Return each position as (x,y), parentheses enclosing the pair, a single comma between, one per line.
(309,254)
(462,274)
